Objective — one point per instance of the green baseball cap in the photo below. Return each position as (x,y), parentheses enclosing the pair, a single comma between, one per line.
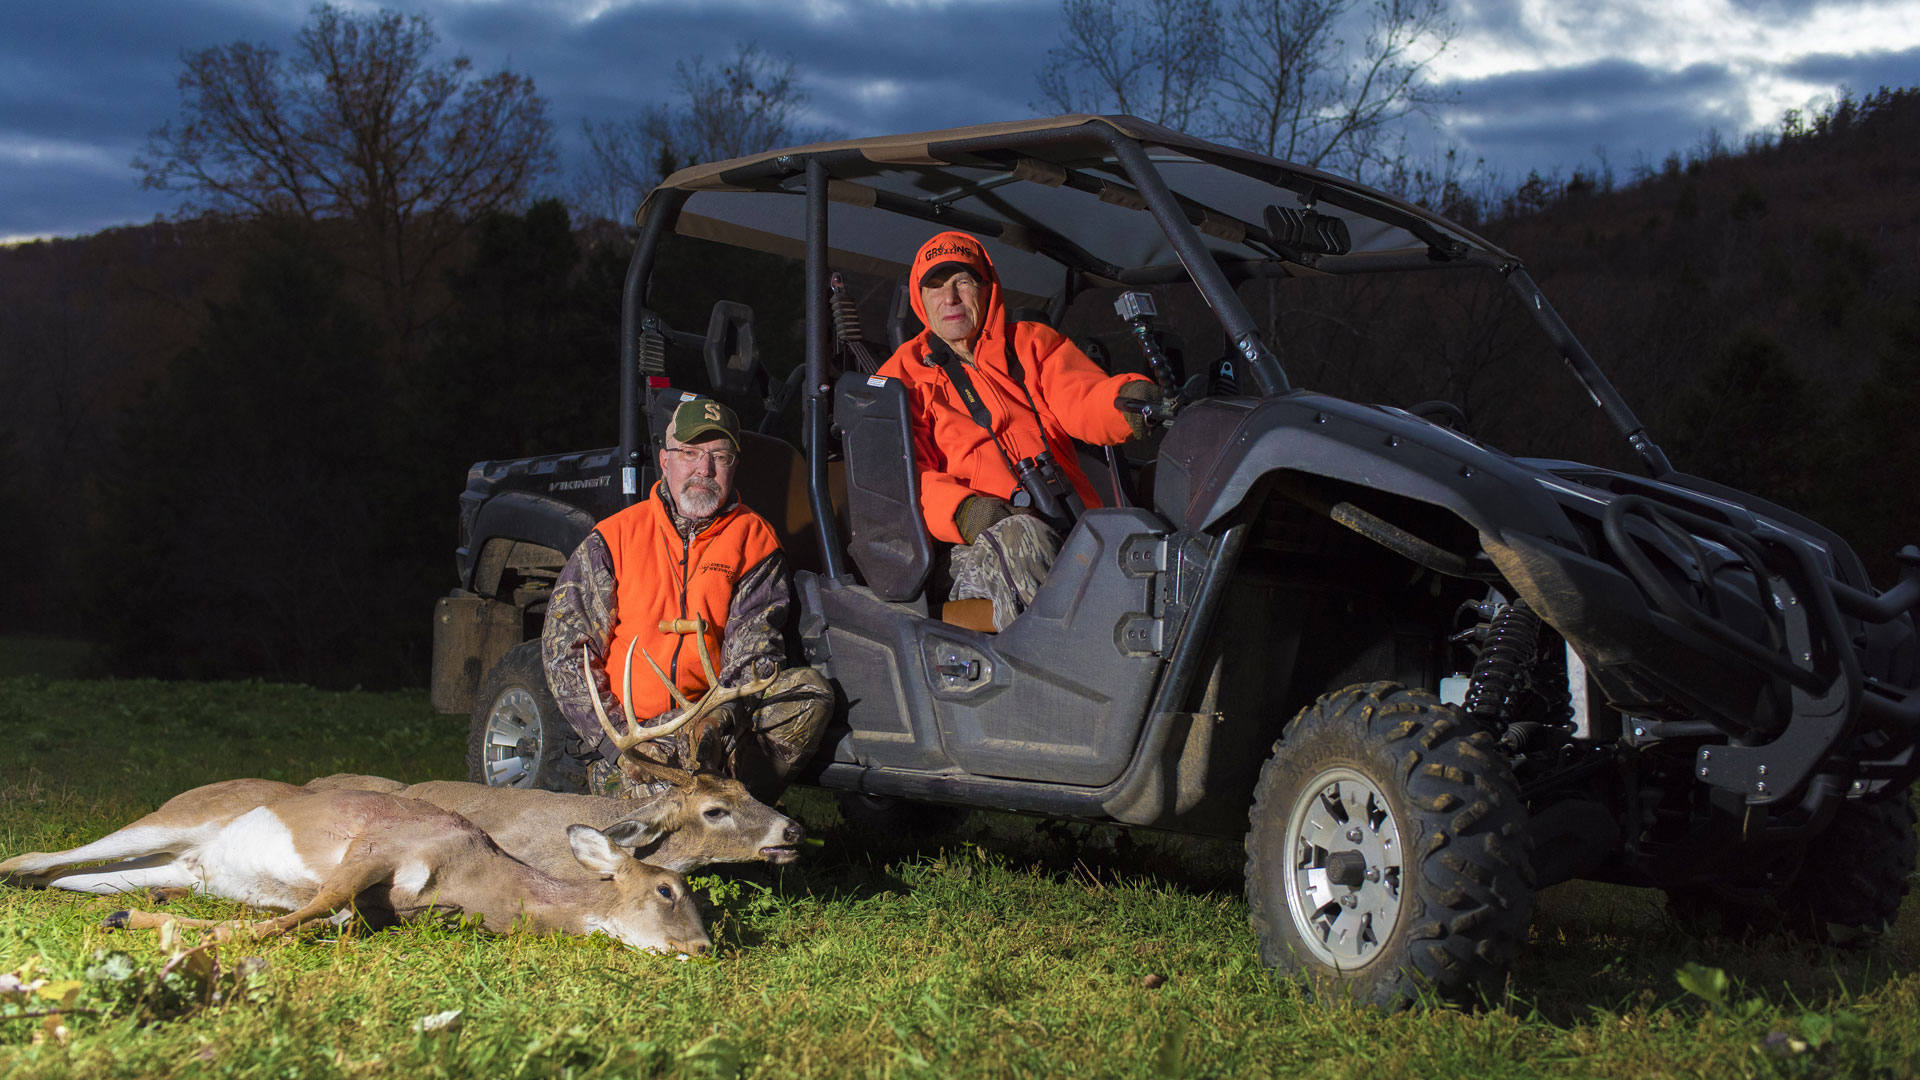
(704,416)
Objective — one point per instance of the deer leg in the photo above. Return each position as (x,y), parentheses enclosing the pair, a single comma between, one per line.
(337,890)
(152,872)
(135,919)
(133,841)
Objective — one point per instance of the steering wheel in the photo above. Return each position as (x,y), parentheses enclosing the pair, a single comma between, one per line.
(1444,413)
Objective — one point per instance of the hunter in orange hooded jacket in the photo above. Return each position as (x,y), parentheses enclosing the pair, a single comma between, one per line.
(955,457)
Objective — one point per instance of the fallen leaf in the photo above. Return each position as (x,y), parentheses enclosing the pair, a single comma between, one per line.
(438,1022)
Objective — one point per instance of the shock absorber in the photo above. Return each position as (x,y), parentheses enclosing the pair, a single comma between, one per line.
(1500,673)
(846,327)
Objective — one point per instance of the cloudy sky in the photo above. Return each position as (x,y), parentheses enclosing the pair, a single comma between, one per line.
(1540,83)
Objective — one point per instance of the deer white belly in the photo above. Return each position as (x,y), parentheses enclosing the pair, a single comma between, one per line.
(412,881)
(254,860)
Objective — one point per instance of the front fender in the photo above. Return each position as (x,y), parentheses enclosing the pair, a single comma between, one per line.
(1220,451)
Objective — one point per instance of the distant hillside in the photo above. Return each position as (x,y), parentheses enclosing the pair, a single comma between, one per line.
(1757,308)
(1813,240)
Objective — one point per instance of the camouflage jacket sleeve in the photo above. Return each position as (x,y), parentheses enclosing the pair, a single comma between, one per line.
(753,646)
(580,614)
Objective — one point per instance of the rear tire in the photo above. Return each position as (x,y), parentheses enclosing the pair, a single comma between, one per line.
(1845,889)
(516,736)
(1386,857)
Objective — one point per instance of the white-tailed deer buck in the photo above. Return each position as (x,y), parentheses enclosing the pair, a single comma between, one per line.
(316,853)
(698,818)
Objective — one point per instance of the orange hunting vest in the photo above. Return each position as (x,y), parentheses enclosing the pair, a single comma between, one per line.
(658,575)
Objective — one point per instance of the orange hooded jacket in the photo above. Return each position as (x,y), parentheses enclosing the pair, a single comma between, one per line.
(953,453)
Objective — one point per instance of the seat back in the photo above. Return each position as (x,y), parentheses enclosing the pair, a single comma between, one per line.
(772,481)
(889,542)
(729,349)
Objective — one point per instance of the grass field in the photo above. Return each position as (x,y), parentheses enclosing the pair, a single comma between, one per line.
(1010,950)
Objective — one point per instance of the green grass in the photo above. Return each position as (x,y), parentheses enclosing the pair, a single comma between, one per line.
(1015,949)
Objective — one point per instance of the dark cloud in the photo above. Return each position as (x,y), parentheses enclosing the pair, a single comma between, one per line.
(1500,19)
(1780,9)
(67,199)
(81,84)
(97,69)
(957,65)
(1862,72)
(1556,118)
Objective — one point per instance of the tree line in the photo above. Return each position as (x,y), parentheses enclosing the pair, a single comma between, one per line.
(246,428)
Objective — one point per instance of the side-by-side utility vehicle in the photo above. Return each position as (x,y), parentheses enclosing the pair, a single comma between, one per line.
(1423,678)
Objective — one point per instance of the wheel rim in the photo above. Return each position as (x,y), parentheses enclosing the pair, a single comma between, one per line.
(1343,923)
(513,721)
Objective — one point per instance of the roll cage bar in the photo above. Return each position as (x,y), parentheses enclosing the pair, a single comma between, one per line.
(1179,216)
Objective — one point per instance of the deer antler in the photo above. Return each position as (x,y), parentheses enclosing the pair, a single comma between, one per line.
(715,696)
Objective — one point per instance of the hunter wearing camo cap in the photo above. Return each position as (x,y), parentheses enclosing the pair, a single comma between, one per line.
(690,550)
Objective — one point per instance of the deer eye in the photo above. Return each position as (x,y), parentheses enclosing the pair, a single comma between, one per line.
(716,813)
(666,891)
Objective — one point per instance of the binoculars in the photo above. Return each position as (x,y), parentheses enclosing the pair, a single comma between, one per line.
(1045,490)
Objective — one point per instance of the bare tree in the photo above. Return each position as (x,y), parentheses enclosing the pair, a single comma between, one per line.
(749,105)
(1155,59)
(1320,82)
(1293,87)
(357,125)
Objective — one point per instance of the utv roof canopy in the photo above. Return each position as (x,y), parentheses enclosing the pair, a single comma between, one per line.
(1053,194)
(1068,201)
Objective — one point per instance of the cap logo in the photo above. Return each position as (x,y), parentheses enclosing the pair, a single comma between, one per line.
(713,411)
(956,249)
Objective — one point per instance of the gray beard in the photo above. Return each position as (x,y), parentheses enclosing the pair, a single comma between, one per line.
(699,504)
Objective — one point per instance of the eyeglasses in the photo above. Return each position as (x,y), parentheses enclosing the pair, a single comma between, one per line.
(722,459)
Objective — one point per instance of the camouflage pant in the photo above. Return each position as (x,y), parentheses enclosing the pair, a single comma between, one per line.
(1006,564)
(782,727)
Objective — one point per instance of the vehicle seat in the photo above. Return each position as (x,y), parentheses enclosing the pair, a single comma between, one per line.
(902,323)
(974,614)
(772,481)
(887,540)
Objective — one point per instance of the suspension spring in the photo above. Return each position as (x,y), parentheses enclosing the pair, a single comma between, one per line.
(652,358)
(846,318)
(1500,673)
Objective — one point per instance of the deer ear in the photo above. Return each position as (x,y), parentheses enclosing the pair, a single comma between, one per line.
(594,850)
(634,832)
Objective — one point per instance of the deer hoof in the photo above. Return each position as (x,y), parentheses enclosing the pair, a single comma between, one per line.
(115,921)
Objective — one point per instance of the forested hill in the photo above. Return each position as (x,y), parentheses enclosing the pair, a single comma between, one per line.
(221,462)
(1764,309)
(1759,307)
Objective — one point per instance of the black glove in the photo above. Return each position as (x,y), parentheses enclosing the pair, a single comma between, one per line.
(978,513)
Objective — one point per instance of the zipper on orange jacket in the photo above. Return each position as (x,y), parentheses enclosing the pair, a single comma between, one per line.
(686,549)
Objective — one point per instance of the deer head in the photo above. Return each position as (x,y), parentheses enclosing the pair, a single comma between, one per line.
(654,911)
(698,818)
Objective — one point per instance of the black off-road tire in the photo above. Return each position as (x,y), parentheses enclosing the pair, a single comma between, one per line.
(899,819)
(516,736)
(1445,890)
(1845,889)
